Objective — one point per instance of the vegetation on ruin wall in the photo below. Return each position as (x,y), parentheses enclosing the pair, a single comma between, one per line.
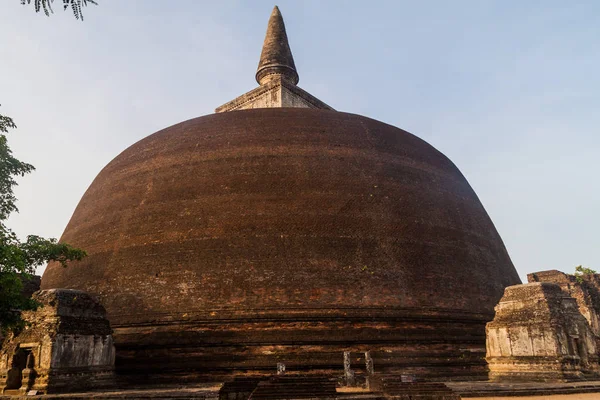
(45,6)
(581,271)
(19,259)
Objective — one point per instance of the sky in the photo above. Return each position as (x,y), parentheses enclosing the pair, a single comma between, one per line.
(509,90)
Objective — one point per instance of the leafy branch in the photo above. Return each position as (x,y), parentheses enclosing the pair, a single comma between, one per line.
(46,6)
(581,271)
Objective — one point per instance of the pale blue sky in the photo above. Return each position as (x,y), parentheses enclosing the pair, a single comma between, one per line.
(508,90)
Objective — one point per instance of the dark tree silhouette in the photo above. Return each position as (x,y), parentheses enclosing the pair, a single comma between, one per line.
(46,6)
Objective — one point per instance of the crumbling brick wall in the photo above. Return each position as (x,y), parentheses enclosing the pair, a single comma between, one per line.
(586,290)
(538,333)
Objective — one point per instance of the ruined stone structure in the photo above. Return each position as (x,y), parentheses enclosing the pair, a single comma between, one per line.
(287,233)
(584,288)
(538,333)
(66,345)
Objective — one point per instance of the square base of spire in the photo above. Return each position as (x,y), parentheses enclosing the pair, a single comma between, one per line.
(275,94)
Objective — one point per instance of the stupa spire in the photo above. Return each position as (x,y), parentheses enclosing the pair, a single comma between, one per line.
(276,75)
(276,59)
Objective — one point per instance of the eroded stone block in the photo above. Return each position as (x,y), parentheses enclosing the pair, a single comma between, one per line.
(66,346)
(538,333)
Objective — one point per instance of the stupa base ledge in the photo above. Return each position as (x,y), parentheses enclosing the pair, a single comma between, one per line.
(538,369)
(531,390)
(481,390)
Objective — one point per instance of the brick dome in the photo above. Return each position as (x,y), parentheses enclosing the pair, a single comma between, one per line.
(299,218)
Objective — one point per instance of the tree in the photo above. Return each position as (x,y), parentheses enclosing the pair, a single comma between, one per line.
(19,259)
(581,271)
(46,6)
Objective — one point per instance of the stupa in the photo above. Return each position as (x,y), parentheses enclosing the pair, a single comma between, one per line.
(279,230)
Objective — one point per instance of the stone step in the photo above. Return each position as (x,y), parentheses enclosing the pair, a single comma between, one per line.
(392,386)
(239,388)
(295,388)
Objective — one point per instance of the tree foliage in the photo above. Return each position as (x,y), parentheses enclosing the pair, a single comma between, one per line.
(19,259)
(580,271)
(46,6)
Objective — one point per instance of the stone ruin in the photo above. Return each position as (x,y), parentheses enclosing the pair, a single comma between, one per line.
(585,289)
(66,346)
(538,333)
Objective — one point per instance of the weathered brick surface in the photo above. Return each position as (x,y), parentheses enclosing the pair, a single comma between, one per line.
(224,237)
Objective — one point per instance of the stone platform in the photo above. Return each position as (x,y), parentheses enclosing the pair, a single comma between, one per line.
(584,390)
(529,390)
(190,392)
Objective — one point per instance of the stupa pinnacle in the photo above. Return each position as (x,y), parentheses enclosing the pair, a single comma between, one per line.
(276,59)
(276,75)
